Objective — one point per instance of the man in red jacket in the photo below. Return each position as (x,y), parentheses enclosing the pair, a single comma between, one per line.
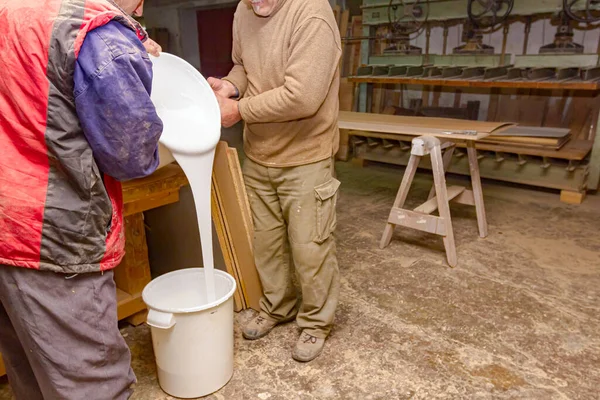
(75,119)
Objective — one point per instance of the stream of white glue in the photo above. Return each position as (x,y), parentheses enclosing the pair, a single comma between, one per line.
(191,120)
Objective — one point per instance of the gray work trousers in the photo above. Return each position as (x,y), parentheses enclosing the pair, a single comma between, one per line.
(59,337)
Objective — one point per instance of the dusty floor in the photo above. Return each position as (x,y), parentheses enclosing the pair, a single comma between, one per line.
(517,319)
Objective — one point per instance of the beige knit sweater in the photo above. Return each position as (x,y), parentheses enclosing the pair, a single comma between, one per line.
(286,70)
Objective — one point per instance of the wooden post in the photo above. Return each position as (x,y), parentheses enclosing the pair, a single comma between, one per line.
(409,175)
(477,190)
(447,160)
(439,179)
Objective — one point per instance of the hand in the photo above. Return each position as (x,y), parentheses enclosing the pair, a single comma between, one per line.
(152,47)
(230,113)
(222,88)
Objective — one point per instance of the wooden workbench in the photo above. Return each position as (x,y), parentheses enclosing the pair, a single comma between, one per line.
(133,274)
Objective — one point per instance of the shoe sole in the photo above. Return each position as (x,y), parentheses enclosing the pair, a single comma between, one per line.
(304,360)
(269,331)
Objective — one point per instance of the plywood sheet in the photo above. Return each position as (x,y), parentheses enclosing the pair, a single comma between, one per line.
(226,250)
(532,131)
(418,126)
(231,209)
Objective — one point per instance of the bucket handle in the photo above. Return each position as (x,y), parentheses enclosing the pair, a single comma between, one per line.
(160,320)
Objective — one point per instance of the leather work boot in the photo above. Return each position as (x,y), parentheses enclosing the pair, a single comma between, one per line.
(307,348)
(259,327)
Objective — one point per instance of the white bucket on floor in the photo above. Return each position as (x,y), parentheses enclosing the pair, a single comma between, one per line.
(192,339)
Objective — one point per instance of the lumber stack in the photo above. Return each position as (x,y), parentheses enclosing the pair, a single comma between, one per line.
(233,224)
(529,136)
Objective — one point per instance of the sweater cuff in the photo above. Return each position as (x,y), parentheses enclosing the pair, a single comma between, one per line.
(235,86)
(243,109)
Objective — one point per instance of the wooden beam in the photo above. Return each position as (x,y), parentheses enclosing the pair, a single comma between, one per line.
(133,273)
(419,221)
(226,250)
(232,211)
(164,180)
(466,198)
(159,200)
(128,304)
(569,197)
(431,205)
(478,84)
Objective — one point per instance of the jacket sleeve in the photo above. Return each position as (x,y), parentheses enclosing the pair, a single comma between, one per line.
(312,65)
(112,85)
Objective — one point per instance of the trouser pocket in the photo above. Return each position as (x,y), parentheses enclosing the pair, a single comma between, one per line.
(326,195)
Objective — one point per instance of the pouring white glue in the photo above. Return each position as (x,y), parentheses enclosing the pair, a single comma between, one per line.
(190,311)
(192,128)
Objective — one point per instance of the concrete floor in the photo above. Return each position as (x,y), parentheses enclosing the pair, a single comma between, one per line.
(517,319)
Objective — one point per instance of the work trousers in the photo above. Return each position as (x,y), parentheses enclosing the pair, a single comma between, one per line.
(294,216)
(59,336)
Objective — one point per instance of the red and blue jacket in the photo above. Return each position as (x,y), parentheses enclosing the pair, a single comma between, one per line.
(75,119)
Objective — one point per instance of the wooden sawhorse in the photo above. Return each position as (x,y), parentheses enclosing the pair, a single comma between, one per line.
(439,197)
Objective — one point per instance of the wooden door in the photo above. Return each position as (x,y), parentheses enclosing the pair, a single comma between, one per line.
(214,38)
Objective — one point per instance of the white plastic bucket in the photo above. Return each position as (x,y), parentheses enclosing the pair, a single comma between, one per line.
(193,340)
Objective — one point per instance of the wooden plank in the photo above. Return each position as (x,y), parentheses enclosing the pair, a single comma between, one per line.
(556,107)
(417,126)
(441,194)
(378,95)
(240,190)
(128,304)
(431,205)
(409,175)
(575,150)
(158,200)
(477,189)
(493,105)
(232,211)
(435,99)
(532,131)
(532,110)
(570,197)
(357,29)
(418,221)
(138,318)
(337,12)
(133,273)
(570,85)
(447,157)
(344,24)
(164,180)
(346,95)
(466,198)
(217,216)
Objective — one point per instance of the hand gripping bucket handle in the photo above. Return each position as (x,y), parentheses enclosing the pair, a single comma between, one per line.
(160,320)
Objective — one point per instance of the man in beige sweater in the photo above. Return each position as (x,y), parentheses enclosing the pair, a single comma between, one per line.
(286,55)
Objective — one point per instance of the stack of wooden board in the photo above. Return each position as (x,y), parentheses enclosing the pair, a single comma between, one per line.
(233,224)
(537,137)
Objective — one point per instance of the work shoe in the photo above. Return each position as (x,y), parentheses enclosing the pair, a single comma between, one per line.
(259,327)
(308,347)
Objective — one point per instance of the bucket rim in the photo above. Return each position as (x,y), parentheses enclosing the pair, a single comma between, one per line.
(185,271)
